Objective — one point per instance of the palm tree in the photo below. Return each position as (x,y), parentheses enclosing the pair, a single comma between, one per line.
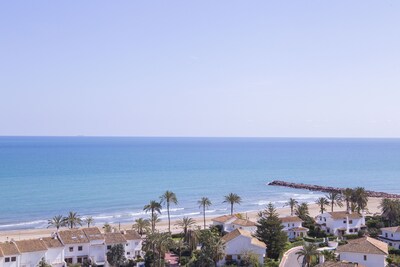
(141,226)
(329,255)
(232,198)
(205,203)
(322,202)
(169,197)
(158,243)
(185,223)
(57,222)
(347,197)
(73,219)
(107,228)
(89,221)
(292,204)
(390,210)
(360,196)
(308,252)
(302,211)
(335,199)
(154,207)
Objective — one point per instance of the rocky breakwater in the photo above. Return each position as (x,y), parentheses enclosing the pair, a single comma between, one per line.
(329,189)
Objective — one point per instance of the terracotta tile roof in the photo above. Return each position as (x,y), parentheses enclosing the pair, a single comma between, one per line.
(132,235)
(231,235)
(243,222)
(395,229)
(239,232)
(366,245)
(290,219)
(339,264)
(93,233)
(223,218)
(73,236)
(114,238)
(52,242)
(339,215)
(9,248)
(31,245)
(1,253)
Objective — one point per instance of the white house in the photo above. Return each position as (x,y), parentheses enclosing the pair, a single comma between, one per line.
(133,248)
(97,247)
(391,236)
(293,227)
(366,251)
(10,254)
(76,245)
(238,243)
(55,251)
(231,222)
(341,222)
(31,252)
(112,239)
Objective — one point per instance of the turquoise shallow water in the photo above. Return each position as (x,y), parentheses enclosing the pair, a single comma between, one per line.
(113,178)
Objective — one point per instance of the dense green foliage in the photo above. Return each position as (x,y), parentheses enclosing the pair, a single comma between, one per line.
(116,255)
(270,231)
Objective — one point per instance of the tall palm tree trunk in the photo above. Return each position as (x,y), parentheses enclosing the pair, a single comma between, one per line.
(231,208)
(169,219)
(152,221)
(204,216)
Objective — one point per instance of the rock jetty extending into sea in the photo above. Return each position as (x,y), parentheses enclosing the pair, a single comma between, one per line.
(329,189)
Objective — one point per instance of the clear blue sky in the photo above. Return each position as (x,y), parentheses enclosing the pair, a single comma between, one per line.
(200,68)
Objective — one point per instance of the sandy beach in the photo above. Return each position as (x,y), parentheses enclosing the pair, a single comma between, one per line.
(373,204)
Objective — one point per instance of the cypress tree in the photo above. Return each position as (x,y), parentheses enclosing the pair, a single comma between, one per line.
(270,231)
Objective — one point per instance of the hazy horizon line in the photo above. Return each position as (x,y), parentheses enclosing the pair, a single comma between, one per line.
(184,136)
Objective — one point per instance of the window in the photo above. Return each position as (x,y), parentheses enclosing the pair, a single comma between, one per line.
(386,235)
(127,244)
(80,248)
(13,258)
(109,247)
(344,221)
(238,257)
(71,249)
(390,244)
(136,243)
(292,224)
(350,221)
(7,260)
(128,253)
(365,257)
(324,219)
(68,260)
(391,235)
(79,260)
(288,224)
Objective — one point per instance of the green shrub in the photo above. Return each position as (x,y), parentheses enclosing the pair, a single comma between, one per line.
(351,236)
(271,263)
(394,251)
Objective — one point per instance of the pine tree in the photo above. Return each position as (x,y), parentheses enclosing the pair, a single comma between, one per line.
(270,231)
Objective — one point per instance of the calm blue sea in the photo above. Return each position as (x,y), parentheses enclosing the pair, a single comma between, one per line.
(113,178)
